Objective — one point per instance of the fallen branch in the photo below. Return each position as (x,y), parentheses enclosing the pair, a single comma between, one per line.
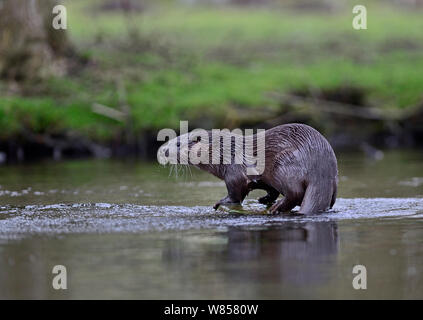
(108,112)
(339,108)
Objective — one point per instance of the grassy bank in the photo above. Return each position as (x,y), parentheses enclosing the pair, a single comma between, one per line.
(171,63)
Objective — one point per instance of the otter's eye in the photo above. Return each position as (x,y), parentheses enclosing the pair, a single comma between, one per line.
(197,139)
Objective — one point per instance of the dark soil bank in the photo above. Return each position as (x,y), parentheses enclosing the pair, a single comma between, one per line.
(339,115)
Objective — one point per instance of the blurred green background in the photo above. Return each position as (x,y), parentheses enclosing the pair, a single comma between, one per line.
(126,68)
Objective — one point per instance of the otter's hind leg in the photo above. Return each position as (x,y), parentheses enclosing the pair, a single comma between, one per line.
(285,204)
(293,197)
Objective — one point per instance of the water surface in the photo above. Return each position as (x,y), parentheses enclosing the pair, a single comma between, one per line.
(125,229)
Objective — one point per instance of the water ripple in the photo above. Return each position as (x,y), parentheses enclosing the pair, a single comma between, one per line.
(17,222)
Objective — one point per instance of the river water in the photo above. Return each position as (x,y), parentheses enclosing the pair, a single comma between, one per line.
(126,229)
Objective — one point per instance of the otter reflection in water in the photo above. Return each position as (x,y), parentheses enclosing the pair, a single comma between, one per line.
(297,253)
(289,253)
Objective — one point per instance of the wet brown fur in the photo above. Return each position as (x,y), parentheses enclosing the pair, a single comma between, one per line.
(300,164)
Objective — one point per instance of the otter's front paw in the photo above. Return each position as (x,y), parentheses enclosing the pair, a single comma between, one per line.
(227,201)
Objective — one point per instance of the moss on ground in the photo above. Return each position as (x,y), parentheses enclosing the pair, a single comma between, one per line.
(180,62)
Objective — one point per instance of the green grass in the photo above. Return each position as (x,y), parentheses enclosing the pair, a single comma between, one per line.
(188,62)
(19,116)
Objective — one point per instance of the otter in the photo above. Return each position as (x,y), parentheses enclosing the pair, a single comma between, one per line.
(300,164)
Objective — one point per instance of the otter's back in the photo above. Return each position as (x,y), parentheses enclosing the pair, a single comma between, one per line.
(302,145)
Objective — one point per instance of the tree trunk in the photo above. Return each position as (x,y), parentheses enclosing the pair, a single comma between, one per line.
(30,48)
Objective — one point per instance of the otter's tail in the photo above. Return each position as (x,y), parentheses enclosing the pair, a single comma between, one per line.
(318,197)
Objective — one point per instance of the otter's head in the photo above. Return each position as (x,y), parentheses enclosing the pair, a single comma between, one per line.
(188,149)
(214,150)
